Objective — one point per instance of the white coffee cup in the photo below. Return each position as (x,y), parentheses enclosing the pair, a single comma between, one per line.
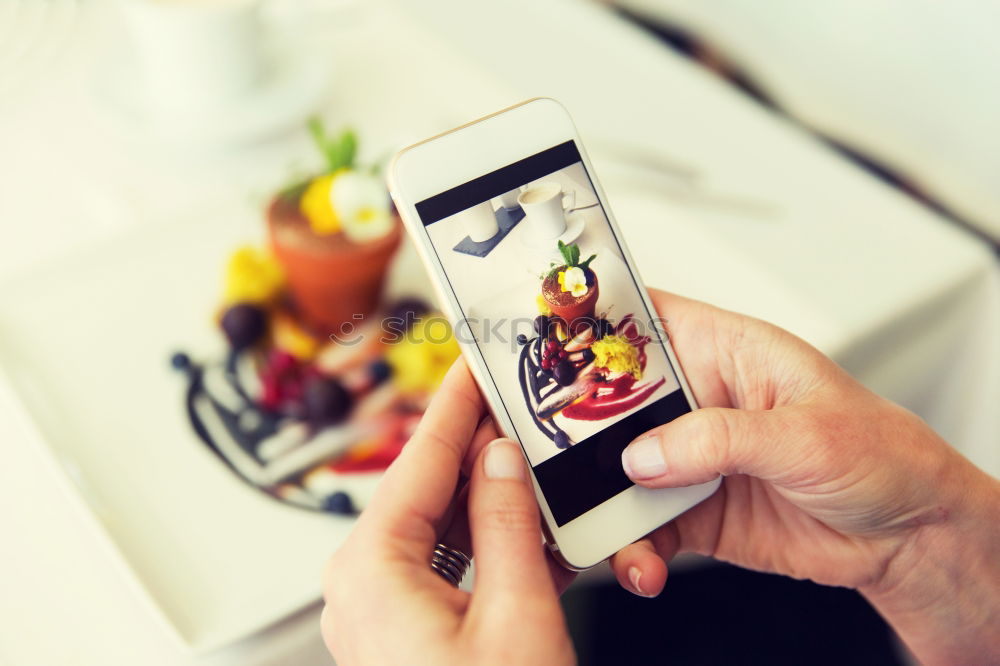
(507,199)
(480,222)
(545,205)
(195,55)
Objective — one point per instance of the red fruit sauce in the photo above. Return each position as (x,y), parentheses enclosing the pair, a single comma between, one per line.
(620,394)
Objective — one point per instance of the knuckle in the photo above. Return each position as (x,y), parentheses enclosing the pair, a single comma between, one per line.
(819,430)
(454,448)
(337,588)
(815,442)
(711,441)
(342,576)
(508,516)
(331,574)
(419,529)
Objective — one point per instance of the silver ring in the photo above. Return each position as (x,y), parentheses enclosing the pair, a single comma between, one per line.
(450,563)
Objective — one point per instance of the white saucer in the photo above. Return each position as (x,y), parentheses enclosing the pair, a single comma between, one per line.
(574,227)
(292,86)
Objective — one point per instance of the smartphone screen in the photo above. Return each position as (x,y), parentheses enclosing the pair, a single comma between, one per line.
(549,300)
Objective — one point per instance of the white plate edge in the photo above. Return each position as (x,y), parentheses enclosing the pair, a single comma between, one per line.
(27,424)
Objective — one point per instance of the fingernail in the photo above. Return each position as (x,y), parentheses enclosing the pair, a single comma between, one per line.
(504,461)
(643,458)
(634,575)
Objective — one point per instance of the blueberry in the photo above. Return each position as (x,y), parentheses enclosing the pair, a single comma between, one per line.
(326,401)
(542,325)
(522,339)
(180,361)
(380,370)
(588,355)
(340,503)
(244,324)
(562,440)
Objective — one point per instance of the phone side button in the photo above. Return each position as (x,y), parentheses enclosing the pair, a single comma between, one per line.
(553,546)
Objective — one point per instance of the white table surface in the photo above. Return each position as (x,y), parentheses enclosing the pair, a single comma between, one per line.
(910,82)
(790,233)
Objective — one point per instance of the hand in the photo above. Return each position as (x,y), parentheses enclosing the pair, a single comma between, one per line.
(385,605)
(824,480)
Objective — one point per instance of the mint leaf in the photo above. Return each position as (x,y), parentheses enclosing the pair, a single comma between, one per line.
(586,264)
(570,253)
(339,153)
(334,156)
(566,253)
(348,147)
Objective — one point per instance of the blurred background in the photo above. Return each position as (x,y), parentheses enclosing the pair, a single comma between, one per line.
(183,447)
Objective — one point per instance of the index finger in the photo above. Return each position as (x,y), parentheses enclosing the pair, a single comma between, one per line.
(419,485)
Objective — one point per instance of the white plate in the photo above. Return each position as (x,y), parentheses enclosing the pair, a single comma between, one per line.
(85,344)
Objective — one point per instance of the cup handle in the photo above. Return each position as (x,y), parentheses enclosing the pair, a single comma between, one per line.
(568,200)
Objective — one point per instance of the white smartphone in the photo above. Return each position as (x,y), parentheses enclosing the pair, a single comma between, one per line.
(551,316)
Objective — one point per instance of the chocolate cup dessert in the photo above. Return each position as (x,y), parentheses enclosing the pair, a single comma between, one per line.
(330,277)
(568,307)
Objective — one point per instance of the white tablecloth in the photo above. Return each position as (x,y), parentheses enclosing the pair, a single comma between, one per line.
(774,224)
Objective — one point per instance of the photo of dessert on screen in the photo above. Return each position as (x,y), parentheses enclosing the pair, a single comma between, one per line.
(552,306)
(580,364)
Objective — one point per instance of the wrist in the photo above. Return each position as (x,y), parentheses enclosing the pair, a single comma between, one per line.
(941,590)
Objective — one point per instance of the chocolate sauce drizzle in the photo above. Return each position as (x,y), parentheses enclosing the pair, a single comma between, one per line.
(533,377)
(265,423)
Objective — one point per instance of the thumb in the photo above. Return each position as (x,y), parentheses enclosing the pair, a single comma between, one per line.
(705,443)
(506,533)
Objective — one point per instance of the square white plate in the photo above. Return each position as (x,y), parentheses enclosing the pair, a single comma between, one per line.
(85,344)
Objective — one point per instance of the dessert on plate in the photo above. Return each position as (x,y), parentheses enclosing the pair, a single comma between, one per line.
(299,406)
(570,290)
(334,235)
(579,365)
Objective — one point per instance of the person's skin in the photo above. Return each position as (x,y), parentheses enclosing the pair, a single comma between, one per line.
(824,480)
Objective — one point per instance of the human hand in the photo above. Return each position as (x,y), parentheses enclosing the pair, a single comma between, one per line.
(824,480)
(385,605)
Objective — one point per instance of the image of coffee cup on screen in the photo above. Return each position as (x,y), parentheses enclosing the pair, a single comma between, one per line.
(545,205)
(550,214)
(480,222)
(508,199)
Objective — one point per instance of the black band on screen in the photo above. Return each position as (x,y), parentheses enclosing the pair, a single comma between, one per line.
(497,182)
(590,473)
